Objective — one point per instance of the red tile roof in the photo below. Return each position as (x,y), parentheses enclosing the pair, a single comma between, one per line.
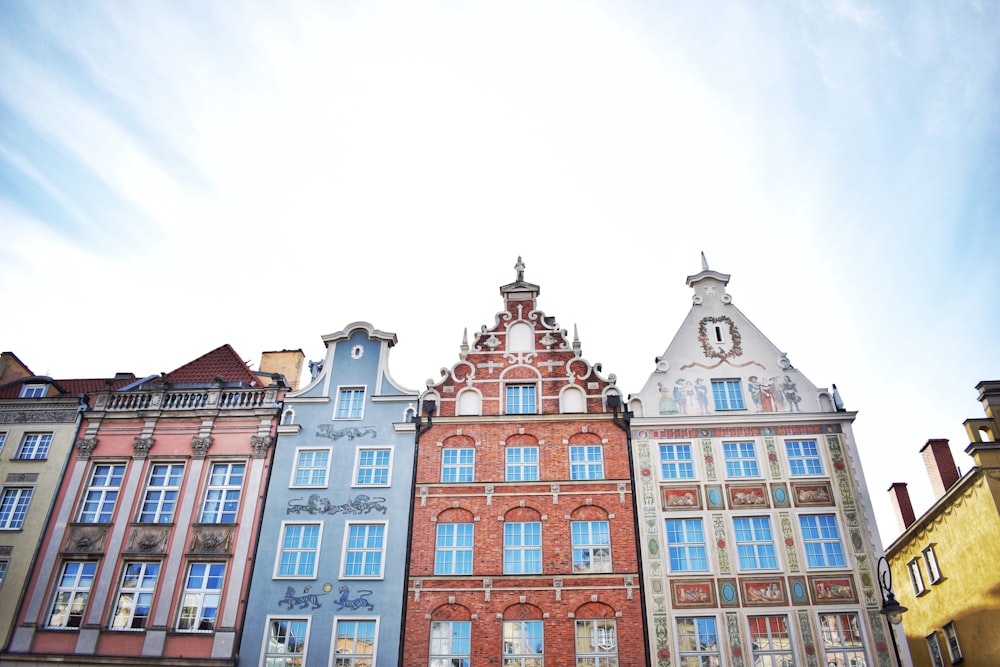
(73,387)
(222,361)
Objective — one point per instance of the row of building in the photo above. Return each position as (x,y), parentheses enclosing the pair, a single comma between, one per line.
(520,511)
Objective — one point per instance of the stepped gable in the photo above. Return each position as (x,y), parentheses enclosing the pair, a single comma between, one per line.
(524,347)
(221,362)
(716,350)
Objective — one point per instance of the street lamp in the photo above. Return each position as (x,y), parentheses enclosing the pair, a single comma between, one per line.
(891,609)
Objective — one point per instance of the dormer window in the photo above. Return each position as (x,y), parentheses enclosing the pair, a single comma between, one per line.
(33,390)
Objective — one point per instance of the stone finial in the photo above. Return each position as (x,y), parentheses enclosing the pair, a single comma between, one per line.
(519,267)
(704,262)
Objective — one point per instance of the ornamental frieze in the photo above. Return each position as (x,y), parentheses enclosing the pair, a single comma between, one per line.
(37,416)
(148,539)
(212,539)
(86,539)
(349,432)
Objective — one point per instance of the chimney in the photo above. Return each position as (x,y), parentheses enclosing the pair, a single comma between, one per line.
(940,465)
(285,362)
(901,503)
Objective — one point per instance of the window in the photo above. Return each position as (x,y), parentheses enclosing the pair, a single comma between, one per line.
(755,543)
(770,641)
(522,644)
(520,399)
(522,464)
(458,464)
(586,462)
(916,577)
(14,506)
(351,403)
(930,559)
(803,457)
(934,648)
(102,493)
(591,546)
(453,549)
(200,604)
(311,467)
(842,640)
(597,643)
(676,461)
(3,439)
(299,551)
(161,493)
(34,446)
(741,459)
(522,548)
(135,596)
(372,467)
(33,390)
(355,643)
(728,394)
(686,545)
(954,649)
(222,498)
(3,571)
(698,641)
(363,553)
(286,642)
(822,541)
(451,643)
(72,592)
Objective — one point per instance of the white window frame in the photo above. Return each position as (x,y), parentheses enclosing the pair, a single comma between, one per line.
(823,541)
(522,547)
(200,595)
(354,409)
(840,653)
(582,460)
(699,635)
(672,464)
(73,593)
(3,439)
(591,548)
(226,488)
(934,648)
(375,468)
(454,549)
(520,464)
(164,500)
(951,638)
(101,495)
(14,512)
(930,559)
(595,630)
(366,551)
(916,577)
(444,649)
(523,642)
(803,463)
(689,550)
(280,657)
(355,658)
(298,550)
(38,450)
(33,391)
(774,646)
(723,399)
(458,467)
(740,464)
(519,399)
(310,468)
(754,543)
(129,598)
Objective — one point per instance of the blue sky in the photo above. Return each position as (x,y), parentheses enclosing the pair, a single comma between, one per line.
(174,176)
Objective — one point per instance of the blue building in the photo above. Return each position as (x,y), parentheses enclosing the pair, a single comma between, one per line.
(329,569)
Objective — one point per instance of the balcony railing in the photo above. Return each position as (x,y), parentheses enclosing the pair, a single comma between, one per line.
(188,399)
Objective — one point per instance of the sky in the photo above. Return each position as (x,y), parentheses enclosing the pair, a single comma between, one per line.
(179,175)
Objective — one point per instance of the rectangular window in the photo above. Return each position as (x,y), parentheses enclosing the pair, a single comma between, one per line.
(102,493)
(842,639)
(822,541)
(770,641)
(299,551)
(728,394)
(34,446)
(458,464)
(597,643)
(14,506)
(372,467)
(354,643)
(453,549)
(202,591)
(934,648)
(520,399)
(364,550)
(930,559)
(351,403)
(135,596)
(3,439)
(287,639)
(698,641)
(803,457)
(3,571)
(222,498)
(953,646)
(523,644)
(451,643)
(586,462)
(916,577)
(591,546)
(161,493)
(72,593)
(741,459)
(522,464)
(686,545)
(755,543)
(676,461)
(311,468)
(33,390)
(522,547)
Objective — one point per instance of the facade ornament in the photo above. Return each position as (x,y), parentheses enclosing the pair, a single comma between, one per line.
(519,267)
(260,443)
(85,447)
(199,446)
(141,447)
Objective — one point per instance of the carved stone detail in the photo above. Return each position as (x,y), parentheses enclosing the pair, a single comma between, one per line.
(141,447)
(260,443)
(148,539)
(85,447)
(86,539)
(199,446)
(212,539)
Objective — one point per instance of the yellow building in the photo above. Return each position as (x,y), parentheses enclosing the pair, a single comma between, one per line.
(946,564)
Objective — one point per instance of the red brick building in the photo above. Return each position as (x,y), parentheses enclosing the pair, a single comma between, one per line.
(523,544)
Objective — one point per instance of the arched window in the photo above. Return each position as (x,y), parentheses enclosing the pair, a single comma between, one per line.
(572,400)
(470,402)
(520,338)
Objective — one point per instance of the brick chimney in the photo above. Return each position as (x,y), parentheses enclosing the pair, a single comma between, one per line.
(940,465)
(901,503)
